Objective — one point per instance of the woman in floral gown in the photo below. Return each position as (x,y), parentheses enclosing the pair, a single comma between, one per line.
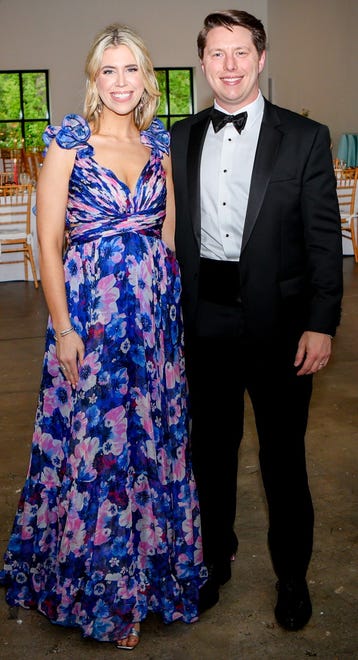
(107,526)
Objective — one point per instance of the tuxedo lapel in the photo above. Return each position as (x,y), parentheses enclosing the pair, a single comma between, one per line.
(266,153)
(195,147)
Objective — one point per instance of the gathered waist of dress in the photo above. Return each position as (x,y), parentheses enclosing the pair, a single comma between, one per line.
(147,223)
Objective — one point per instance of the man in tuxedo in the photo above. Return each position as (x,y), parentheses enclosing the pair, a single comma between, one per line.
(259,244)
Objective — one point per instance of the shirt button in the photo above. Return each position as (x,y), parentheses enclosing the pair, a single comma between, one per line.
(224,203)
(227,235)
(225,171)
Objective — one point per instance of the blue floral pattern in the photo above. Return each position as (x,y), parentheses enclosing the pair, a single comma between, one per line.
(108,526)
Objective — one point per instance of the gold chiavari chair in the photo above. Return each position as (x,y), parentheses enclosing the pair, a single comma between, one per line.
(32,162)
(15,226)
(346,192)
(5,178)
(12,162)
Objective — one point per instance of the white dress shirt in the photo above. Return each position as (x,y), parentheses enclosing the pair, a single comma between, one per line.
(225,176)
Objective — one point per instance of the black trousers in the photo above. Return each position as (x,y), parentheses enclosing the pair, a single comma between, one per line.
(222,364)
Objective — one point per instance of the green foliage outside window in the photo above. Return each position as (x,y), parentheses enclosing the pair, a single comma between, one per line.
(176,86)
(24,104)
(24,109)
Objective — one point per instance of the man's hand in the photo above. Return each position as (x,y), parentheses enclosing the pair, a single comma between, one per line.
(313,353)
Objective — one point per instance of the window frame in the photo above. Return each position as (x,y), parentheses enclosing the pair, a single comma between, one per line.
(21,120)
(169,119)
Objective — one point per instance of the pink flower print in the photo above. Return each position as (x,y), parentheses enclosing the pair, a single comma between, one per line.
(140,277)
(170,376)
(74,271)
(179,465)
(89,368)
(125,345)
(146,322)
(82,459)
(78,500)
(150,535)
(79,614)
(125,517)
(66,601)
(183,566)
(107,295)
(52,361)
(173,312)
(73,537)
(174,411)
(47,540)
(182,498)
(106,512)
(142,494)
(108,509)
(116,420)
(45,516)
(143,410)
(58,397)
(164,465)
(187,527)
(28,513)
(37,437)
(114,250)
(198,552)
(49,478)
(27,532)
(79,425)
(52,448)
(102,535)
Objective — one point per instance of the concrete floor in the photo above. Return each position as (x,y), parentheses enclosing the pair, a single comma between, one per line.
(242,625)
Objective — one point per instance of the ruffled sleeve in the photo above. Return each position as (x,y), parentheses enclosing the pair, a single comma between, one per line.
(156,137)
(74,132)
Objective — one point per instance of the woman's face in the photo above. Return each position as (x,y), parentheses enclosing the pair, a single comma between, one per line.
(119,81)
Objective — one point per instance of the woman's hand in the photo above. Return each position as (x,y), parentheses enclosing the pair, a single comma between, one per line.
(70,354)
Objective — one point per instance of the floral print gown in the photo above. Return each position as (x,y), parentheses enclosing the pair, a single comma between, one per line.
(108,524)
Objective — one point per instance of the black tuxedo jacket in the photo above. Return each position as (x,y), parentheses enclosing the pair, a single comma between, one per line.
(291,256)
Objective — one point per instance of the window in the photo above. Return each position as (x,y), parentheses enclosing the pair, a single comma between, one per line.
(176,86)
(24,108)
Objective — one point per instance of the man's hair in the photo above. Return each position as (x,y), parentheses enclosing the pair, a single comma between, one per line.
(230,18)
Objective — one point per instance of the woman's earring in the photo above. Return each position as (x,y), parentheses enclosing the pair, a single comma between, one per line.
(142,102)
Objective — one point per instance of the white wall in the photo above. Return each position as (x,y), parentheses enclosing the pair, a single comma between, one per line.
(311,56)
(56,35)
(313,60)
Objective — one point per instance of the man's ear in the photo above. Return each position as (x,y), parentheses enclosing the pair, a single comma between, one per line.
(262,60)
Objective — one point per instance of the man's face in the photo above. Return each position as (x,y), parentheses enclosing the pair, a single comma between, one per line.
(232,65)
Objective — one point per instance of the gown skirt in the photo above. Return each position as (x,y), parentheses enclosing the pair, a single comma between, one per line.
(108,524)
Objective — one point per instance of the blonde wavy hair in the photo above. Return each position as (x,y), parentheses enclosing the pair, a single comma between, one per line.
(112,36)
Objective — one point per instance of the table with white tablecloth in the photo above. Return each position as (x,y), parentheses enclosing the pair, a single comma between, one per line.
(348,149)
(347,244)
(11,272)
(346,240)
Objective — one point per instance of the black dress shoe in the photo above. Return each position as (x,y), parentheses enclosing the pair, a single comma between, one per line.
(293,609)
(208,595)
(223,572)
(218,574)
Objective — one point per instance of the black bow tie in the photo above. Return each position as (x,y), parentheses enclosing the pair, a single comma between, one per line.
(219,120)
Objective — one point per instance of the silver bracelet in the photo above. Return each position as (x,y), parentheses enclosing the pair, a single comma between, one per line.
(63,333)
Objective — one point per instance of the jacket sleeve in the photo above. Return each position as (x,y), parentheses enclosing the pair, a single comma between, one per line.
(323,238)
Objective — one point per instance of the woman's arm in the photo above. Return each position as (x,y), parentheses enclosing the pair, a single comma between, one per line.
(169,222)
(52,196)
